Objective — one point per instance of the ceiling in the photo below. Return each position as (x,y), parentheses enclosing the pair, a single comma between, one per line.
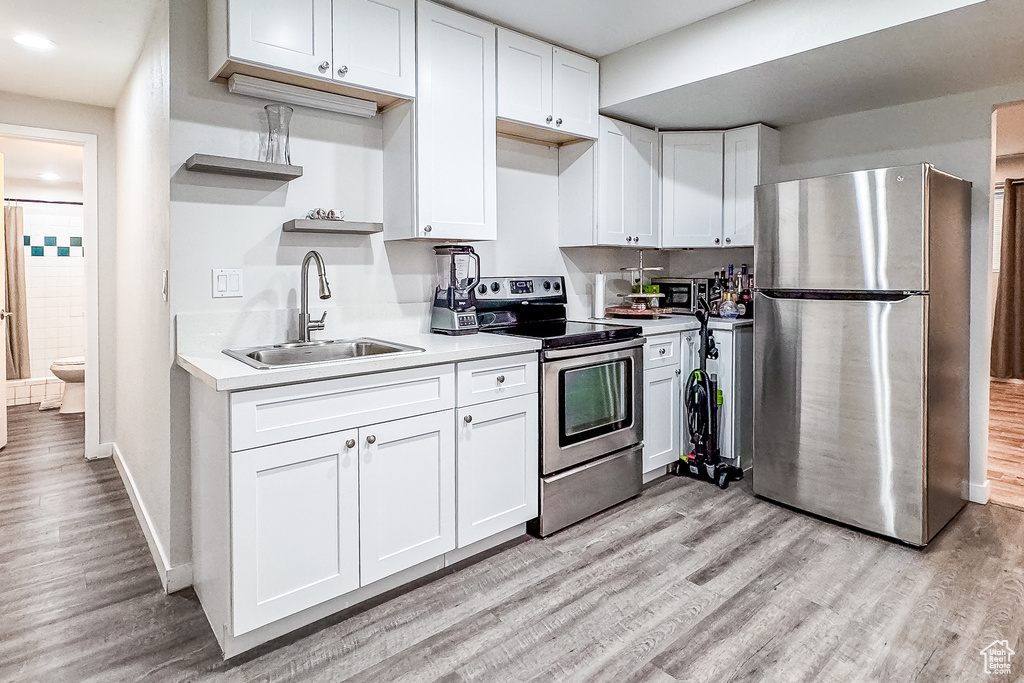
(26,159)
(98,42)
(959,51)
(595,27)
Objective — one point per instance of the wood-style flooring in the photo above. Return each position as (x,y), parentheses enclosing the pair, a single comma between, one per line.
(1006,444)
(686,583)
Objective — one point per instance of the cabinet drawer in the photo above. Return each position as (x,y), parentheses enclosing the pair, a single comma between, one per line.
(276,414)
(494,378)
(661,350)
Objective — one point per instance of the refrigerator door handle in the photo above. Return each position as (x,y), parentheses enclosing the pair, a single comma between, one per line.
(837,295)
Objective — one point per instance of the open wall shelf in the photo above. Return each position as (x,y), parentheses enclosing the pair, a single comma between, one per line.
(247,168)
(333,227)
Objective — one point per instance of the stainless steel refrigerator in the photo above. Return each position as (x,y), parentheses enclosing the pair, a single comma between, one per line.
(861,348)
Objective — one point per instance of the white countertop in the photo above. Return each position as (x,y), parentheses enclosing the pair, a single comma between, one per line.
(675,323)
(224,373)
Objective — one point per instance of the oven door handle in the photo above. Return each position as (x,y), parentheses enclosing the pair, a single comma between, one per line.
(558,354)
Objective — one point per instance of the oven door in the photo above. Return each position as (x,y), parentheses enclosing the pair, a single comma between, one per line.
(592,403)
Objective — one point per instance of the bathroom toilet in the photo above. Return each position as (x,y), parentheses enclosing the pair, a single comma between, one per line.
(72,372)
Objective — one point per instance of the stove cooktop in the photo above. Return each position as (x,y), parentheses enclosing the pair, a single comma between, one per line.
(556,334)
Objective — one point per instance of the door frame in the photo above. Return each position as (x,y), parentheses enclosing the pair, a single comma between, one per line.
(90,210)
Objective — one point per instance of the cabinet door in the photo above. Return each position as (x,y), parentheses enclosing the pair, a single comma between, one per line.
(613,155)
(375,44)
(575,81)
(294,527)
(642,187)
(407,493)
(285,34)
(661,416)
(690,361)
(497,466)
(456,144)
(524,79)
(741,175)
(723,368)
(691,189)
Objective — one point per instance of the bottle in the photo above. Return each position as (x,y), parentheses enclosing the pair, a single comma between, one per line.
(732,291)
(729,308)
(715,293)
(746,298)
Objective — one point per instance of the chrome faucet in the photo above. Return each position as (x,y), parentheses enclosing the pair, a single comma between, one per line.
(305,324)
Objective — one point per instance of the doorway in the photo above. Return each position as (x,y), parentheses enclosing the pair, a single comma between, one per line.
(1006,401)
(50,198)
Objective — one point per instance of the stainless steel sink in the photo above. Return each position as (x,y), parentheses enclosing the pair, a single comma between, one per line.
(305,353)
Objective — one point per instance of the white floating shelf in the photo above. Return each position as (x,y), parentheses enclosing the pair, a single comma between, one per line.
(209,163)
(333,227)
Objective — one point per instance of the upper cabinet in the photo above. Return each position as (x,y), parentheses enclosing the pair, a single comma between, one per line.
(440,156)
(363,48)
(608,190)
(708,181)
(545,92)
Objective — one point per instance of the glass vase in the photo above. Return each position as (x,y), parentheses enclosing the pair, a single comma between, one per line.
(278,149)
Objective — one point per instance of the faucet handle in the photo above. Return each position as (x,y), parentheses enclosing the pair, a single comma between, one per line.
(318,324)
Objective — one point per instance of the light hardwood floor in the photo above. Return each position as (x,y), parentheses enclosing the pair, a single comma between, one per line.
(686,583)
(1006,444)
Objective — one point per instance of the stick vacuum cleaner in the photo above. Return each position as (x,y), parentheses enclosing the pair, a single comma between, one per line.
(702,399)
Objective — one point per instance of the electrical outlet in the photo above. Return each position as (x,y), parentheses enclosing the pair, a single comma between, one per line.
(227,283)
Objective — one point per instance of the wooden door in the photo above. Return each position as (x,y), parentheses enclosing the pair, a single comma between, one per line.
(375,44)
(497,466)
(524,79)
(4,314)
(294,35)
(294,527)
(691,189)
(407,493)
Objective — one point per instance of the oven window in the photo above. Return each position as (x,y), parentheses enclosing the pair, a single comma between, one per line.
(595,400)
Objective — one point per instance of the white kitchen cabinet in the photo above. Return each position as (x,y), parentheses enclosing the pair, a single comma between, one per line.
(708,180)
(295,523)
(608,190)
(361,48)
(735,370)
(440,154)
(550,89)
(374,44)
(406,493)
(497,466)
(661,416)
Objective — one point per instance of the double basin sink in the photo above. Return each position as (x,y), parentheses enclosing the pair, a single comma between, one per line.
(304,353)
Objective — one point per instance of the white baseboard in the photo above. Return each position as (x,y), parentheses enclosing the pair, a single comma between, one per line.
(100,450)
(172,578)
(980,492)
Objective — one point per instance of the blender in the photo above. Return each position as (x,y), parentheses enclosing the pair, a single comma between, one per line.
(458,271)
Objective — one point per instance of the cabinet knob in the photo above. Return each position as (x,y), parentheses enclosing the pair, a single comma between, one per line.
(343,70)
(549,119)
(678,371)
(718,241)
(468,419)
(728,240)
(501,379)
(558,122)
(324,66)
(661,351)
(351,443)
(629,238)
(427,228)
(371,439)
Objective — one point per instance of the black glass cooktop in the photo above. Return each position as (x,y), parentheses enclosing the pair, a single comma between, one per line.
(566,333)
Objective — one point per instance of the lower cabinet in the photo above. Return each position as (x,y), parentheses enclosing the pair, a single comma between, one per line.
(498,464)
(661,416)
(295,520)
(407,493)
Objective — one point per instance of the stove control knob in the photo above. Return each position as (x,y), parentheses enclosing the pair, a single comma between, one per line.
(547,285)
(482,289)
(558,286)
(495,286)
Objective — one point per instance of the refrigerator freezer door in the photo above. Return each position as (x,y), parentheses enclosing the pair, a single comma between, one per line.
(862,231)
(839,410)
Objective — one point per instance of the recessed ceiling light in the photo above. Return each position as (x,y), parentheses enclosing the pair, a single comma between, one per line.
(49,176)
(34,42)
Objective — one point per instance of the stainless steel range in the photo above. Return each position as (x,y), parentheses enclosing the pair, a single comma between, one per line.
(591,398)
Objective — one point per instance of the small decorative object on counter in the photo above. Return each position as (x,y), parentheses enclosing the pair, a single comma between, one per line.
(643,296)
(600,290)
(325,215)
(278,149)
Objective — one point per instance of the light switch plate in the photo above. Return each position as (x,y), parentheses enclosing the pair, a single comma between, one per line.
(227,283)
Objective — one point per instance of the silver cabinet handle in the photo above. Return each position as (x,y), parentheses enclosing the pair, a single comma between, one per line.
(718,241)
(558,122)
(427,228)
(371,439)
(728,240)
(351,443)
(661,351)
(468,419)
(629,238)
(501,379)
(549,119)
(678,371)
(343,70)
(324,66)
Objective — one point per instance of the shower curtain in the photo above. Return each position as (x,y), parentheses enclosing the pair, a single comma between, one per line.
(1008,331)
(18,365)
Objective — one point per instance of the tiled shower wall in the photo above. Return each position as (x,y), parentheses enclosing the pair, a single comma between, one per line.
(55,284)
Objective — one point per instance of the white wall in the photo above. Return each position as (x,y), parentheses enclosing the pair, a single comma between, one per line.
(22,110)
(954,133)
(143,325)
